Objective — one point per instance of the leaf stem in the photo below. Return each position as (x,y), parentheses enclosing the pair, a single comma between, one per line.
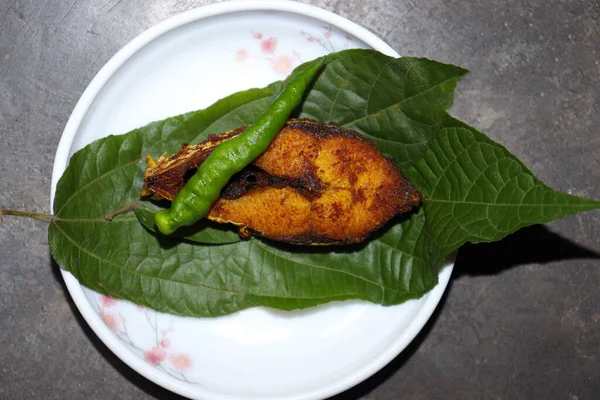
(125,209)
(48,218)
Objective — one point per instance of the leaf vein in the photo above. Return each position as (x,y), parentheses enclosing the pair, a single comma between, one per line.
(101,176)
(404,100)
(133,271)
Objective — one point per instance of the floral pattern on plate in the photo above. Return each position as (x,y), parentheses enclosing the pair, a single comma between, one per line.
(283,62)
(160,353)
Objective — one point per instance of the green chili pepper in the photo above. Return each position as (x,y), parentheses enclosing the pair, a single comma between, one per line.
(195,199)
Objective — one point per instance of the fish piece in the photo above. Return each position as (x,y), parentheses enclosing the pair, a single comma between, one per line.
(316,184)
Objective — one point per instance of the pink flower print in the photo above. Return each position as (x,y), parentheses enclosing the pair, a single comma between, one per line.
(139,308)
(257,35)
(310,39)
(165,343)
(181,361)
(155,355)
(303,33)
(348,37)
(269,45)
(241,55)
(327,34)
(107,301)
(109,319)
(283,65)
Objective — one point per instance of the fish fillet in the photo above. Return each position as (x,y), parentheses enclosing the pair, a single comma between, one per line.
(315,184)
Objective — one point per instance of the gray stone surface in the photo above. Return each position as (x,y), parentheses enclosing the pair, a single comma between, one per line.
(521,318)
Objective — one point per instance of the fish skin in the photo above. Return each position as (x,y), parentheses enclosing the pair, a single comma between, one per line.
(316,184)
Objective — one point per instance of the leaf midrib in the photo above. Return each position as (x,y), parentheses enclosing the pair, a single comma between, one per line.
(98,219)
(347,124)
(135,272)
(480,203)
(107,173)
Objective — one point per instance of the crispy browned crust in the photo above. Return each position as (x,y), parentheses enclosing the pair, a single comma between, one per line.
(165,177)
(316,184)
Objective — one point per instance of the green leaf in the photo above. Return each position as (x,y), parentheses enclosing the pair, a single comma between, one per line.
(477,191)
(399,103)
(182,278)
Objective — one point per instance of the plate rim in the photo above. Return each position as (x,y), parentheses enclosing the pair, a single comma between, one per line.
(61,160)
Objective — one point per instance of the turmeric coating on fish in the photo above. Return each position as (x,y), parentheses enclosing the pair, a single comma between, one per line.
(316,184)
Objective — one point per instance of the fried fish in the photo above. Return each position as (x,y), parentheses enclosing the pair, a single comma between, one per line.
(316,184)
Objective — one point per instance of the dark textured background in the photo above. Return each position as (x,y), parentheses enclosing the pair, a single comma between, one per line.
(520,319)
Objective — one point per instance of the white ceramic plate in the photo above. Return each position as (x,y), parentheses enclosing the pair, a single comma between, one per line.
(183,64)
